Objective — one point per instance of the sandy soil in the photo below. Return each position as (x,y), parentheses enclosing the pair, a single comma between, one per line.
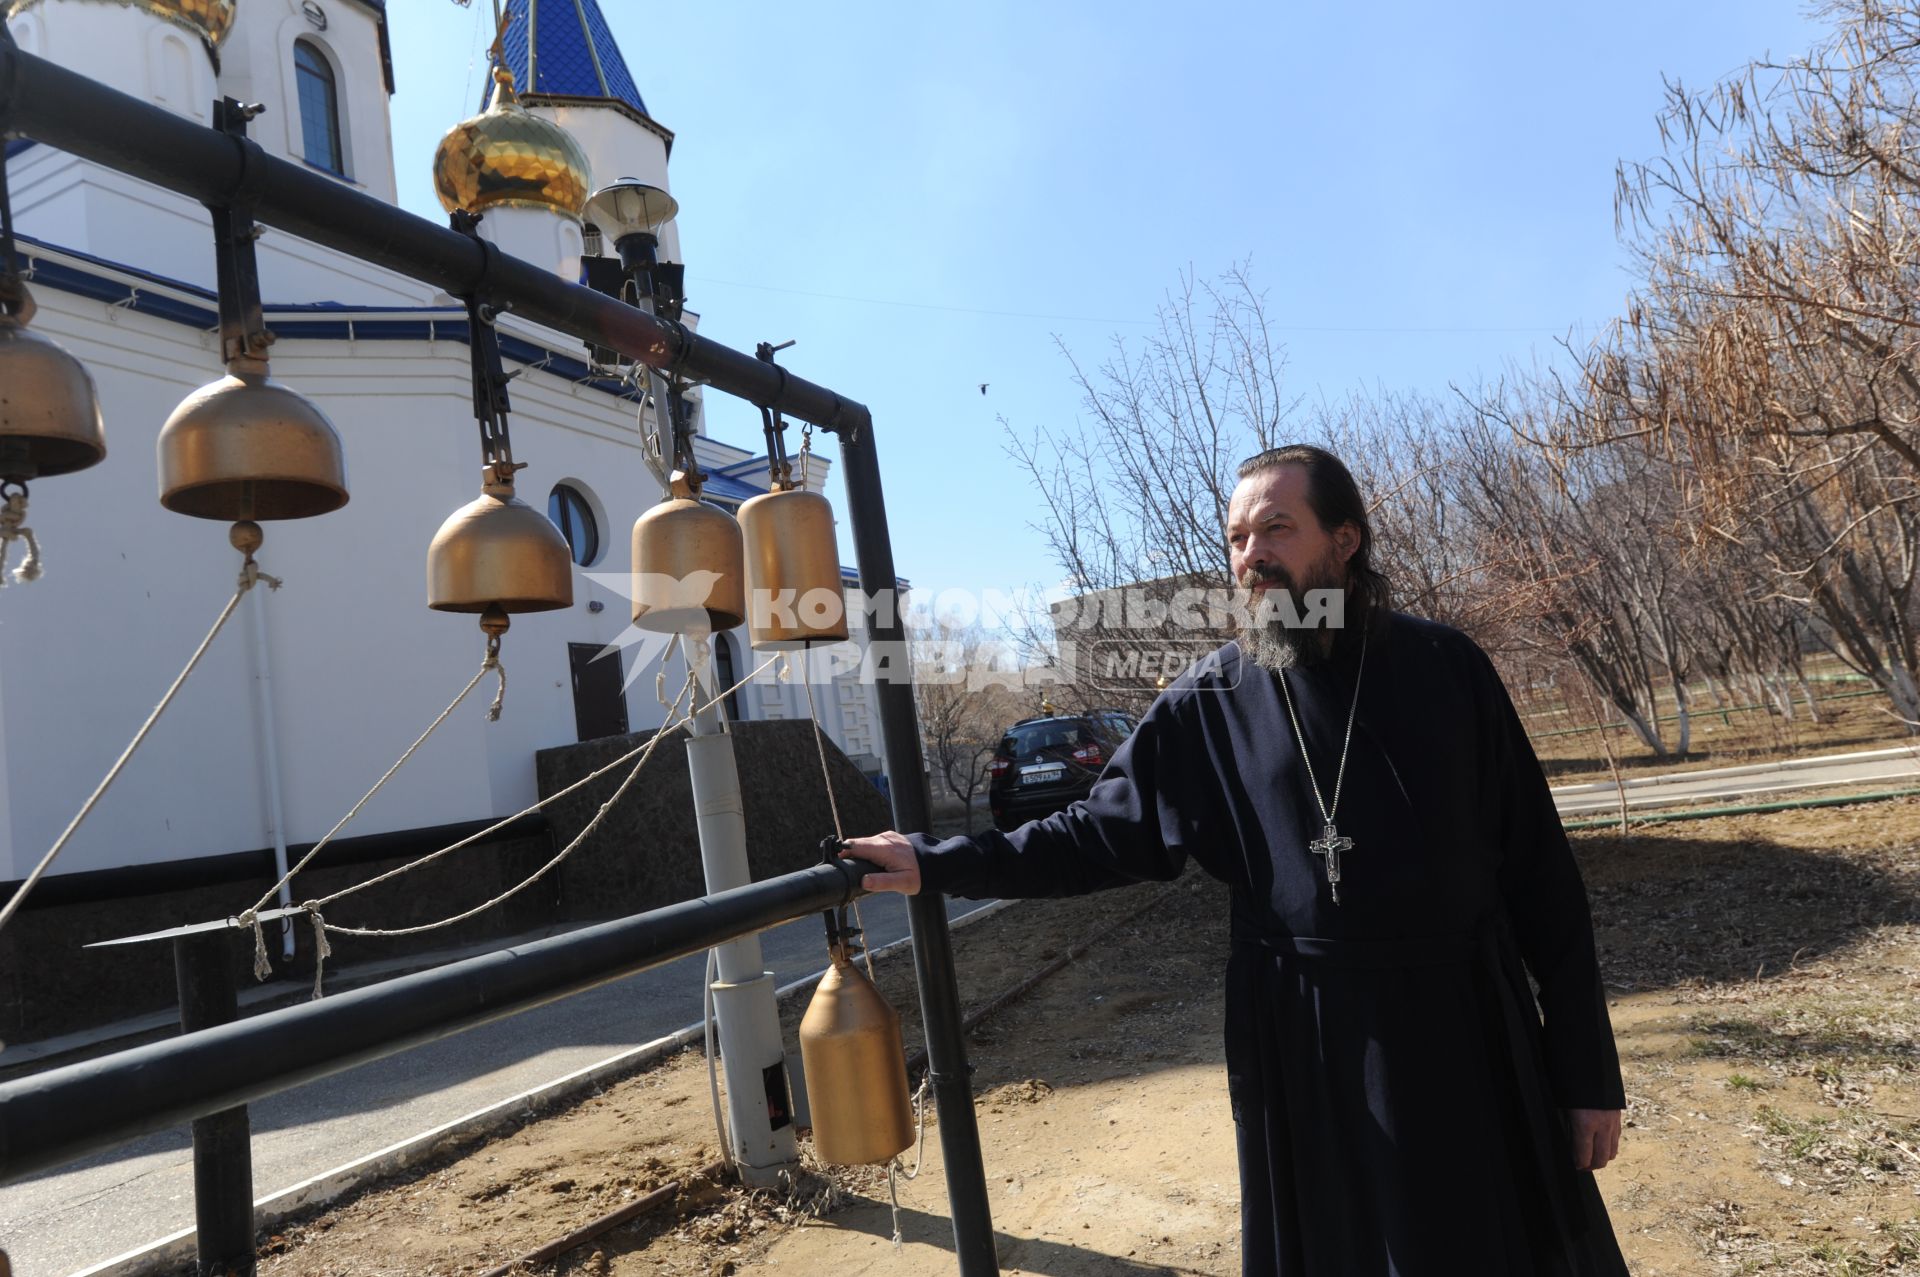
(1764,973)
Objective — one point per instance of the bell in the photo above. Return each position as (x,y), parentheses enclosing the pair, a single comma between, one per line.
(856,1070)
(247,447)
(498,549)
(49,410)
(688,568)
(793,571)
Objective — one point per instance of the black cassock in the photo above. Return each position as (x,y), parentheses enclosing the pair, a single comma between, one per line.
(1397,1097)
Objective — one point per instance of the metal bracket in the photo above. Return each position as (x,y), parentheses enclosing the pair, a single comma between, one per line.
(244,338)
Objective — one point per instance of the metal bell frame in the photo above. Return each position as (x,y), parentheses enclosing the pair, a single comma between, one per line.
(496,555)
(245,447)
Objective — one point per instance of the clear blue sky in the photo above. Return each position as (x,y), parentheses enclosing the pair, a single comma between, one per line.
(926,195)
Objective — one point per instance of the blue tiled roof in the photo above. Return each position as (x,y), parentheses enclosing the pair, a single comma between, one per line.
(565,48)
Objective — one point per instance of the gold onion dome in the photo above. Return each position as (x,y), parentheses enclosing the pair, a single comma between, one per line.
(507,156)
(209,19)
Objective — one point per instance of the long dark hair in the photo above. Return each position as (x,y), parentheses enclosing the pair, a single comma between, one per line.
(1335,499)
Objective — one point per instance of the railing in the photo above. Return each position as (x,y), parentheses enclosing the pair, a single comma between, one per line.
(57,1116)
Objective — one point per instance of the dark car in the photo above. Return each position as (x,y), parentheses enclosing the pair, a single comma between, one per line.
(1042,764)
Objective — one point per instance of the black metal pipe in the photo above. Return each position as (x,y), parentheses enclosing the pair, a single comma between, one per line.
(58,107)
(203,971)
(54,1117)
(926,912)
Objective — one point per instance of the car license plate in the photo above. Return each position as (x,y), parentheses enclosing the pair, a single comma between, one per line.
(1041,775)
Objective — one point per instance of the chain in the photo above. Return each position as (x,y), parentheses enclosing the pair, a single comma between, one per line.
(1340,775)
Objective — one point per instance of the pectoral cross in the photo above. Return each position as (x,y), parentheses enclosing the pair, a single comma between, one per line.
(1330,844)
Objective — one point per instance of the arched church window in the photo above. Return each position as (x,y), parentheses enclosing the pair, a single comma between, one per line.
(319,107)
(572,513)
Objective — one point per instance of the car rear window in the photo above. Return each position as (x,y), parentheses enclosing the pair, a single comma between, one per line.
(1029,738)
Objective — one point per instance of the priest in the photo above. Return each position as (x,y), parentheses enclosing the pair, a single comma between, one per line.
(1405,1103)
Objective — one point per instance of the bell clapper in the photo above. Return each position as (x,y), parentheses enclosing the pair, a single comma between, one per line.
(494,622)
(246,537)
(13,527)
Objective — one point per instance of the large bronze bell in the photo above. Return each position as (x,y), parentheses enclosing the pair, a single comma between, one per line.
(856,1070)
(689,568)
(247,447)
(793,571)
(497,549)
(49,409)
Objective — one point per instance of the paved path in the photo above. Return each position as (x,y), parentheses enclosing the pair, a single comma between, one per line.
(1895,768)
(69,1220)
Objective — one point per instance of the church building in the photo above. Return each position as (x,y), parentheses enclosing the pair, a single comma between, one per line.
(316,686)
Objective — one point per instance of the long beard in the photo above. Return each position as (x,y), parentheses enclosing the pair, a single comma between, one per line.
(1270,642)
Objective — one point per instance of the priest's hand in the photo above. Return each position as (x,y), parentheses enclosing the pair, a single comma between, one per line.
(893,853)
(1596,1136)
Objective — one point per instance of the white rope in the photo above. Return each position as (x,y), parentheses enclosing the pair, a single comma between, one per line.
(314,906)
(321,951)
(895,1171)
(660,677)
(13,527)
(833,804)
(262,965)
(247,580)
(645,751)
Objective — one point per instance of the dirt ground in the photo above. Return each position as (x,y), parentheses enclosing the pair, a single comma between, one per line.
(1764,973)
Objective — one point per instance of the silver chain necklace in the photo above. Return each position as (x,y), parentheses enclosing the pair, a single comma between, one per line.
(1331,842)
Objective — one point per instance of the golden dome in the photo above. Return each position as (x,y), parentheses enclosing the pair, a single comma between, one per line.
(507,156)
(208,19)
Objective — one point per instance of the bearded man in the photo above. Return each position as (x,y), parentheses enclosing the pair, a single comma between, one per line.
(1403,1103)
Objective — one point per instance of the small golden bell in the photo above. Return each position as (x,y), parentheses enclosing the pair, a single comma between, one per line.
(689,568)
(497,549)
(793,571)
(49,409)
(856,1070)
(247,447)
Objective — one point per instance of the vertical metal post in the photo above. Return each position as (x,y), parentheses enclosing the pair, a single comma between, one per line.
(927,912)
(222,1154)
(752,1055)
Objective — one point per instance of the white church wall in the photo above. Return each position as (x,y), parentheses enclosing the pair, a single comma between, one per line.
(616,146)
(257,65)
(74,203)
(136,52)
(543,236)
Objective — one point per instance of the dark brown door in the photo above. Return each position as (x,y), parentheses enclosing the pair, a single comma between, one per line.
(599,699)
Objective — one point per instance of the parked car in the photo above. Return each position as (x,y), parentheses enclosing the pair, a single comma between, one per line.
(1043,763)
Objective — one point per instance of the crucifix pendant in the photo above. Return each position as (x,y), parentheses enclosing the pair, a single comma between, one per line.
(1330,844)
